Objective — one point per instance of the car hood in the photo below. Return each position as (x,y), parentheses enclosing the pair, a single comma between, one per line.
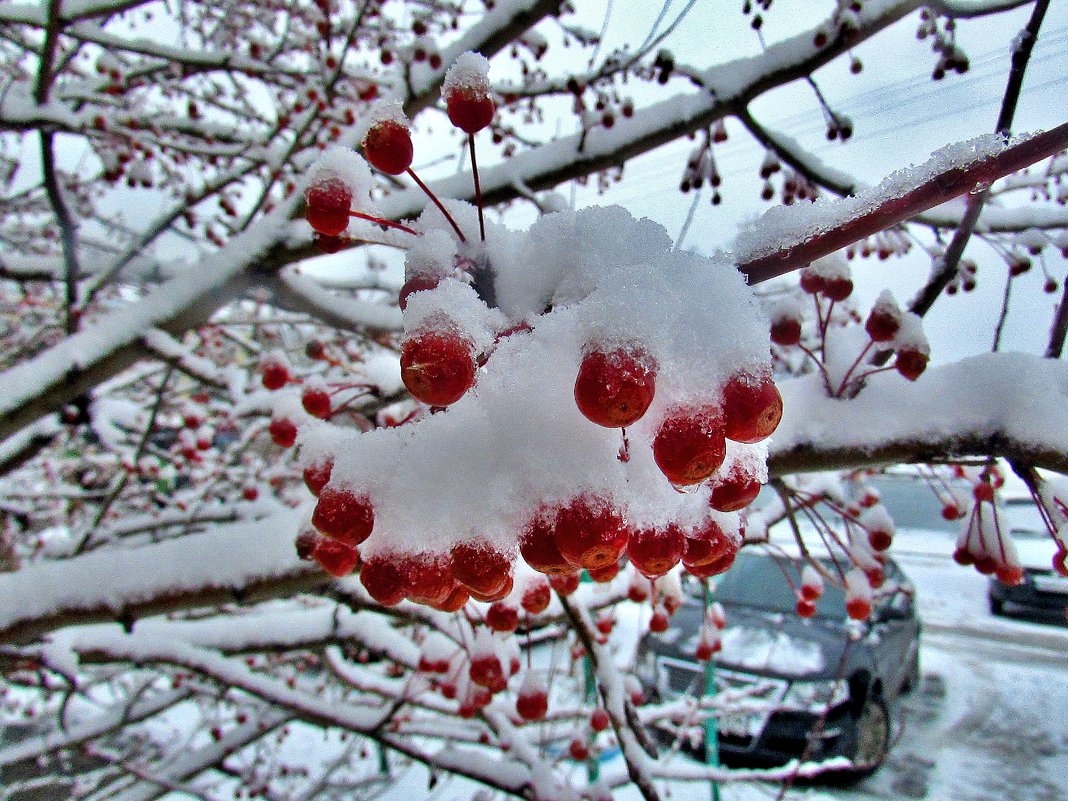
(762,642)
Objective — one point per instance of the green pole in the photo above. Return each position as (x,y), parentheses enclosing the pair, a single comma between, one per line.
(593,766)
(711,732)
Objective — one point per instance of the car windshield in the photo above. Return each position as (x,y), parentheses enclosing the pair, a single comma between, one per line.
(760,580)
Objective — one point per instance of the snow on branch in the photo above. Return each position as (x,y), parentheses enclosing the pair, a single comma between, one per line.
(999,404)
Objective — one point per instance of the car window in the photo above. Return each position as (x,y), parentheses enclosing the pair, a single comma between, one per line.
(765,581)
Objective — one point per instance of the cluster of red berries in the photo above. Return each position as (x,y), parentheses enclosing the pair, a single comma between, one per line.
(983,542)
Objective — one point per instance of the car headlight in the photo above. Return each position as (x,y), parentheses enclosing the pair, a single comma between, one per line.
(815,696)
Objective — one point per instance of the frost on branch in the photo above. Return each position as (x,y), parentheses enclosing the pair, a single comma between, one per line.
(513,446)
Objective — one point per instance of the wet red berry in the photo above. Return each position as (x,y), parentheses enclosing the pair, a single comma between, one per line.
(317,475)
(336,558)
(470,109)
(437,367)
(537,545)
(532,705)
(283,431)
(537,596)
(316,402)
(689,446)
(344,515)
(654,551)
(388,147)
(480,567)
(735,491)
(328,203)
(590,533)
(417,283)
(614,388)
(383,581)
(502,617)
(275,375)
(911,363)
(752,408)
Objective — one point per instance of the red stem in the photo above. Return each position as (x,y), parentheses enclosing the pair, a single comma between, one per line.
(388,223)
(441,208)
(478,186)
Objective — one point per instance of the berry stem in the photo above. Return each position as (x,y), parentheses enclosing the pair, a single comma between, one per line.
(388,223)
(441,208)
(478,186)
(852,367)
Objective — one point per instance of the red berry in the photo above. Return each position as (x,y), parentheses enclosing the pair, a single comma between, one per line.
(736,491)
(986,565)
(704,558)
(343,515)
(688,446)
(388,147)
(306,542)
(537,596)
(417,283)
(486,670)
(858,608)
(532,705)
(654,551)
(810,592)
(383,581)
(704,651)
(470,109)
(317,475)
(489,597)
(336,558)
(328,204)
(752,408)
(283,431)
(786,331)
(455,600)
(578,750)
(614,389)
(805,607)
(275,375)
(564,584)
(538,548)
(963,557)
(480,567)
(951,512)
(811,282)
(658,623)
(437,368)
(1009,575)
(837,289)
(599,720)
(316,403)
(983,491)
(881,325)
(879,539)
(427,578)
(603,575)
(1060,561)
(502,617)
(911,363)
(590,533)
(250,493)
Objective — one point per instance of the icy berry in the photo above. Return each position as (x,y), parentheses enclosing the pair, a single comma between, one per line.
(274,375)
(328,203)
(858,608)
(654,551)
(455,600)
(437,367)
(336,558)
(882,325)
(486,670)
(532,705)
(614,388)
(344,515)
(537,545)
(502,617)
(383,581)
(879,539)
(752,408)
(316,402)
(470,109)
(388,147)
(283,431)
(688,446)
(480,567)
(503,591)
(317,475)
(590,533)
(805,607)
(786,331)
(427,578)
(603,575)
(911,363)
(537,596)
(564,584)
(735,491)
(599,720)
(417,283)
